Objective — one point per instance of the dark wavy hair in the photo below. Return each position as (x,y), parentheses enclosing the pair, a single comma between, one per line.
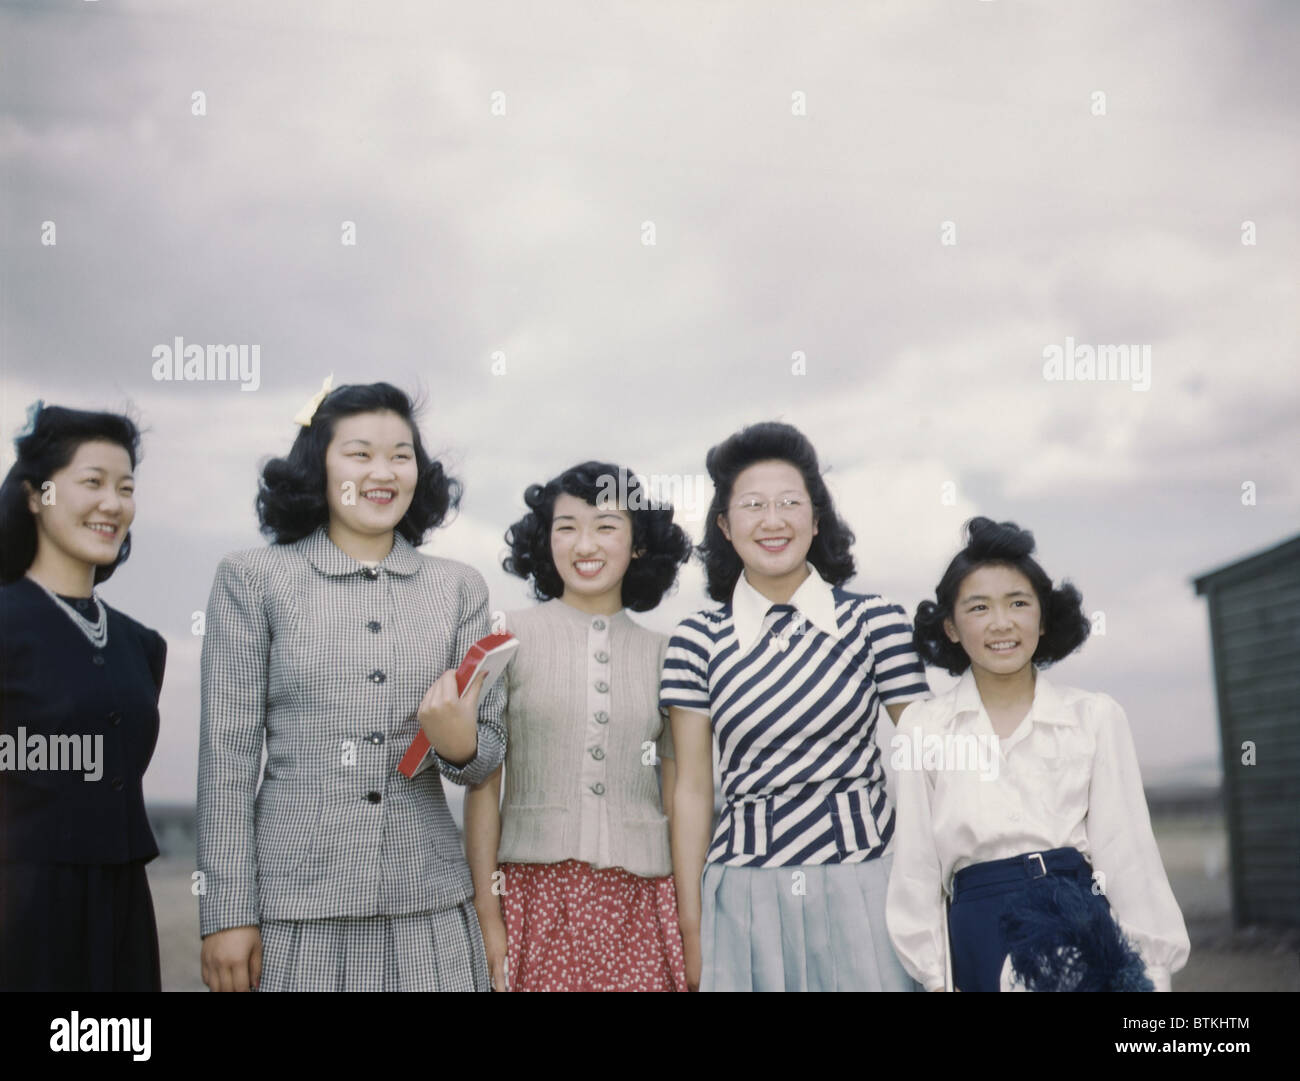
(989,543)
(770,441)
(664,547)
(291,498)
(46,445)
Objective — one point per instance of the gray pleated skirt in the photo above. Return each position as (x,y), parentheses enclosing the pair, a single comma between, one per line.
(427,951)
(764,929)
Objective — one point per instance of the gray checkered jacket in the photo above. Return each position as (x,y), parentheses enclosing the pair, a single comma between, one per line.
(327,660)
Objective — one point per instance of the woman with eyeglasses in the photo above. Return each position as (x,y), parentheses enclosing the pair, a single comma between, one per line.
(790,673)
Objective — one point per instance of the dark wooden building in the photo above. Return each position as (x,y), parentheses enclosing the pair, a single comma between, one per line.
(1255,638)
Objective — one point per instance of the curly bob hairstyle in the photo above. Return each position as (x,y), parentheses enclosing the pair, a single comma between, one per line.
(766,442)
(989,543)
(46,445)
(291,499)
(659,547)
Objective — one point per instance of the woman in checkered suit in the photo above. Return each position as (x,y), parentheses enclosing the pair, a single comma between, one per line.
(334,645)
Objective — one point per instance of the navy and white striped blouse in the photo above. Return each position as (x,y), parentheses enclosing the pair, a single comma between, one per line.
(795,717)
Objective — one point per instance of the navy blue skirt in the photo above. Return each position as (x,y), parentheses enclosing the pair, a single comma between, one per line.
(1039,912)
(77,927)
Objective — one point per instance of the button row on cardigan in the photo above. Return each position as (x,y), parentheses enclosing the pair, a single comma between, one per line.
(602,656)
(598,788)
(598,624)
(602,686)
(602,717)
(597,753)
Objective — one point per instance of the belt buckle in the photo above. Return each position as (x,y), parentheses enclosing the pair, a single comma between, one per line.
(1041,864)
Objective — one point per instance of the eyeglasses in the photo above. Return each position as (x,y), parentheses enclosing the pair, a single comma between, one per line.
(754,507)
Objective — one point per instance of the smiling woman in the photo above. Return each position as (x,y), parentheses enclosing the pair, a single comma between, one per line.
(1045,877)
(335,645)
(75,908)
(572,874)
(791,674)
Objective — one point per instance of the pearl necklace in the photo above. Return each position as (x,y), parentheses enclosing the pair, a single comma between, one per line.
(96,632)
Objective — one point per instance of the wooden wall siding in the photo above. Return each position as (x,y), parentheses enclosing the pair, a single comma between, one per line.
(1255,638)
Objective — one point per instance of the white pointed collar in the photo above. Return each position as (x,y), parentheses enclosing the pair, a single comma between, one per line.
(1048,706)
(814,600)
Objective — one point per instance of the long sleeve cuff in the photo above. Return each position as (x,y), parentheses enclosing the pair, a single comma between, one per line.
(488,754)
(234,906)
(459,774)
(1160,976)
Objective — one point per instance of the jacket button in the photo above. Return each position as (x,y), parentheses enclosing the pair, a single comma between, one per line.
(598,788)
(376,738)
(98,659)
(372,572)
(598,754)
(602,686)
(117,784)
(373,797)
(373,625)
(598,624)
(602,656)
(602,717)
(115,718)
(376,676)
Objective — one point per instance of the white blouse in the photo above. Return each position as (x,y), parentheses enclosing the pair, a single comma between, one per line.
(1066,777)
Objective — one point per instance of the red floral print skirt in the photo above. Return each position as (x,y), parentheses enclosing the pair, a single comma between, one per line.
(574,927)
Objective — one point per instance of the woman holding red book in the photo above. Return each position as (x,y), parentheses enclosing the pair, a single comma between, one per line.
(335,644)
(572,874)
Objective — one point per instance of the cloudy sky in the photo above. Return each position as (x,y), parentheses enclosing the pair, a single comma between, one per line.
(661,222)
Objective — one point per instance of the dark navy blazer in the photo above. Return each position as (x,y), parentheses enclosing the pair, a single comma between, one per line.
(54,682)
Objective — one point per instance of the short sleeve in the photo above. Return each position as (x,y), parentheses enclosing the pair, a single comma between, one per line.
(685,679)
(897,671)
(664,748)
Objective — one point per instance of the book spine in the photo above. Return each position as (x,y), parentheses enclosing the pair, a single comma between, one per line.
(414,755)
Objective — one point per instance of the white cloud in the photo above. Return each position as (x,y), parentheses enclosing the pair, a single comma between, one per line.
(776,233)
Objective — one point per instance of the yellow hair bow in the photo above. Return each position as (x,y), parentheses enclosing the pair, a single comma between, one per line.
(308,411)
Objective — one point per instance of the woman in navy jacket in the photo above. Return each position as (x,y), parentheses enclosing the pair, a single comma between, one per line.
(79,685)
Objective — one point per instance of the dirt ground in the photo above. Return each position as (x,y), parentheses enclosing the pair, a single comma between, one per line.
(1194,852)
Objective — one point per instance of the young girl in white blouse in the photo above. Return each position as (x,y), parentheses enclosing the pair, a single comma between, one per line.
(1020,803)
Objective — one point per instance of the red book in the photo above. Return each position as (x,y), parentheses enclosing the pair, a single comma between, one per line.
(490,654)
